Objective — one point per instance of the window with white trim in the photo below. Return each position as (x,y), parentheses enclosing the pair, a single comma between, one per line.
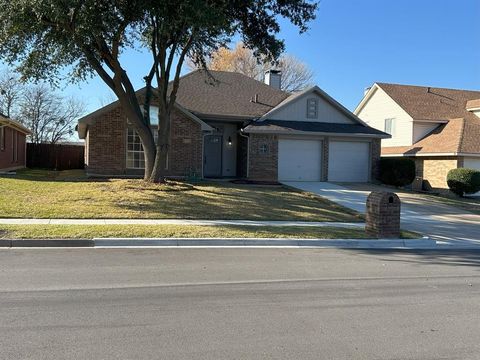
(135,155)
(312,108)
(389,126)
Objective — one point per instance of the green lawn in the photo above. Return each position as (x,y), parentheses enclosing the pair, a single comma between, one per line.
(88,232)
(69,194)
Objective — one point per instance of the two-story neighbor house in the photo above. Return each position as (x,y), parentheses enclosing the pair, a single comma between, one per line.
(439,128)
(235,126)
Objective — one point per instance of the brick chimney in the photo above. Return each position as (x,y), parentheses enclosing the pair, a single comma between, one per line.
(273,78)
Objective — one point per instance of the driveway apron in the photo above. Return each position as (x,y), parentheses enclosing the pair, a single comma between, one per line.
(439,221)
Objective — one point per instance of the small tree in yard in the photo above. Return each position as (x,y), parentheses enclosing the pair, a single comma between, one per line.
(43,37)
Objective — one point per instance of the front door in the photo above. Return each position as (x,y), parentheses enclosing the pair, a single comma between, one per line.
(213,156)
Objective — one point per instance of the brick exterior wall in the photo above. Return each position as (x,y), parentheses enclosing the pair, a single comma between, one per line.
(435,170)
(7,154)
(105,148)
(325,152)
(383,215)
(263,166)
(375,149)
(106,144)
(186,147)
(242,156)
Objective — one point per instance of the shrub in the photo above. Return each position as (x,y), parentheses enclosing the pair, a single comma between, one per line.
(463,181)
(397,171)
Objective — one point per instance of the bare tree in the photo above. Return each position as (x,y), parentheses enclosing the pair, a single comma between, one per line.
(10,92)
(296,75)
(49,116)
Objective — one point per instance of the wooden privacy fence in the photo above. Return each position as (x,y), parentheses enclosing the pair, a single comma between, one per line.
(55,156)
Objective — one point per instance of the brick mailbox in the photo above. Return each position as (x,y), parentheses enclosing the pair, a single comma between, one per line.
(383,215)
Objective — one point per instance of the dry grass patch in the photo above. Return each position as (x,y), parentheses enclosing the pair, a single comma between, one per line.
(48,194)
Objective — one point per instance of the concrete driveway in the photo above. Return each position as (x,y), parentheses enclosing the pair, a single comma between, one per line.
(420,214)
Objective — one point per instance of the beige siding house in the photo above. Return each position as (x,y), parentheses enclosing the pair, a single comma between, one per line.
(439,128)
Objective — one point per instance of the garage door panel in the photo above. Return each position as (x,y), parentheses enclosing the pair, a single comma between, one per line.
(349,161)
(299,160)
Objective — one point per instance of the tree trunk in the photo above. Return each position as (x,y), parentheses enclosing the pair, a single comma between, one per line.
(163,146)
(134,114)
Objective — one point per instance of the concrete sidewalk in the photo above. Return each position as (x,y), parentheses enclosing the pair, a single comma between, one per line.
(176,222)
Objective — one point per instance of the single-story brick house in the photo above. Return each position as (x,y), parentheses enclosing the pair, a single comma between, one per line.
(439,128)
(13,144)
(236,127)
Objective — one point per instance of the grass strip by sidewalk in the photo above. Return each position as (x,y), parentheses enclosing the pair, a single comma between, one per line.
(128,231)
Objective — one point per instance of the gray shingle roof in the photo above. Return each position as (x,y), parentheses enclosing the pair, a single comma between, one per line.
(226,93)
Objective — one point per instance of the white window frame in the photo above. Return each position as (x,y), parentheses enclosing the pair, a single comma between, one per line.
(155,138)
(312,113)
(390,121)
(127,165)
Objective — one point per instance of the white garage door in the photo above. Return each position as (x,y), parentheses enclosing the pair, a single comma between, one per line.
(299,160)
(348,161)
(472,163)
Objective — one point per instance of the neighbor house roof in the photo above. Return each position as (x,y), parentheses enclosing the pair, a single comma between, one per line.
(473,104)
(312,127)
(430,103)
(459,135)
(4,120)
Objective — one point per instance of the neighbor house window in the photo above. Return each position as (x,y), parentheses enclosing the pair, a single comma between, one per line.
(2,138)
(312,108)
(389,126)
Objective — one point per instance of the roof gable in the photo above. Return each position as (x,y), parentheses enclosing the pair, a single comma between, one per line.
(327,104)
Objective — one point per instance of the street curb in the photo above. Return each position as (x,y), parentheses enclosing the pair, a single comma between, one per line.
(14,243)
(426,243)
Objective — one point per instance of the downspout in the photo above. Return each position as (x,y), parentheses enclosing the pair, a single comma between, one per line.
(204,133)
(248,151)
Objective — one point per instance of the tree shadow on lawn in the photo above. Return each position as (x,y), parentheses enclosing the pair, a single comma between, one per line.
(202,203)
(450,257)
(77,175)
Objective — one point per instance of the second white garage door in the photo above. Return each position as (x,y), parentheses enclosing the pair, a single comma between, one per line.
(299,160)
(348,161)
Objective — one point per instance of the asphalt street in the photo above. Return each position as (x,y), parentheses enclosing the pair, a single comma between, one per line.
(239,304)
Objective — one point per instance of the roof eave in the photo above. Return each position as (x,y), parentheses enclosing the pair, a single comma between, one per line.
(315,133)
(14,124)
